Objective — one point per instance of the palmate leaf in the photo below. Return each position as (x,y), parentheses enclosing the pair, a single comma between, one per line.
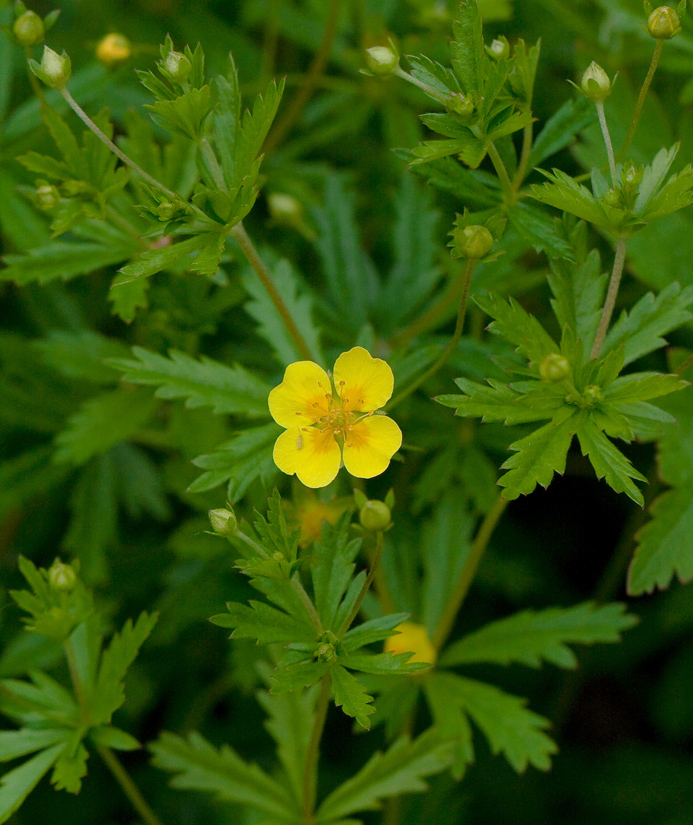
(563,193)
(469,58)
(332,569)
(517,326)
(197,765)
(401,769)
(532,636)
(500,402)
(608,461)
(204,383)
(265,624)
(540,455)
(16,785)
(351,696)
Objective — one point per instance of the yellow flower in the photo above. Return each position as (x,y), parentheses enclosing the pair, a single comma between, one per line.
(113,48)
(412,638)
(310,513)
(325,426)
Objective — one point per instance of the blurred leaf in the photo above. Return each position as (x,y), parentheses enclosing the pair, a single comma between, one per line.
(561,129)
(16,785)
(154,260)
(60,260)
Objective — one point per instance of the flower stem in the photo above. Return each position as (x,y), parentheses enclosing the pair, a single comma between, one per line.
(254,259)
(89,123)
(527,140)
(502,172)
(139,803)
(610,303)
(315,71)
(399,72)
(310,773)
(641,99)
(454,341)
(476,553)
(607,139)
(366,585)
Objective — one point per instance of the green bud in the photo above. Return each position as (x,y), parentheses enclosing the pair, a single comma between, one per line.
(499,49)
(177,67)
(54,69)
(47,197)
(613,197)
(223,522)
(554,368)
(284,208)
(472,242)
(460,104)
(595,83)
(28,29)
(382,60)
(375,515)
(663,23)
(62,576)
(592,395)
(278,556)
(326,653)
(165,211)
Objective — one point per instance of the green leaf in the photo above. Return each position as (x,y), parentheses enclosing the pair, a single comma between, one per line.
(109,694)
(469,57)
(352,697)
(383,664)
(332,569)
(16,785)
(540,230)
(642,328)
(609,463)
(539,456)
(505,721)
(70,768)
(265,623)
(198,766)
(565,194)
(517,326)
(247,457)
(81,355)
(561,129)
(154,260)
(374,630)
(664,545)
(16,743)
(470,149)
(204,383)
(128,298)
(22,700)
(255,126)
(297,676)
(300,303)
(401,769)
(532,636)
(111,737)
(60,260)
(500,402)
(477,189)
(184,114)
(275,534)
(674,195)
(433,74)
(442,695)
(653,178)
(102,422)
(641,386)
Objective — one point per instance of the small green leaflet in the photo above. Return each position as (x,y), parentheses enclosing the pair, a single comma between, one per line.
(16,785)
(608,462)
(332,569)
(155,260)
(532,636)
(351,696)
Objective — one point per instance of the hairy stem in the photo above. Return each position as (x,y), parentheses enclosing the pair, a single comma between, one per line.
(641,99)
(607,140)
(139,803)
(89,123)
(454,341)
(254,259)
(527,140)
(502,173)
(366,585)
(488,525)
(310,774)
(610,303)
(315,71)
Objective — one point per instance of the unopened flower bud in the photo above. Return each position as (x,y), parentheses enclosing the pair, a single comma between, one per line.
(326,653)
(47,197)
(499,49)
(631,174)
(113,48)
(165,211)
(613,197)
(375,515)
(223,522)
(554,368)
(663,23)
(459,104)
(284,208)
(54,69)
(177,67)
(62,576)
(278,556)
(592,395)
(472,242)
(595,83)
(28,29)
(381,60)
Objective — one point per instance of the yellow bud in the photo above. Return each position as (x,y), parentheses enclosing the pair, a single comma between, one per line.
(663,23)
(113,48)
(412,638)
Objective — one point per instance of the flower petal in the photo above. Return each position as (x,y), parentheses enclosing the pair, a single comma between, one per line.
(313,455)
(368,381)
(370,445)
(302,397)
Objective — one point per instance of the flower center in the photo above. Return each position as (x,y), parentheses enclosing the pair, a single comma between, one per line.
(339,418)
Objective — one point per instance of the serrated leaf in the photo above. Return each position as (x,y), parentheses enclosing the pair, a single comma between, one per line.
(532,636)
(204,383)
(297,676)
(653,177)
(383,664)
(433,74)
(609,463)
(16,785)
(476,188)
(352,697)
(332,569)
(674,195)
(184,114)
(539,456)
(664,546)
(155,260)
(274,531)
(540,230)
(650,318)
(499,402)
(16,743)
(561,129)
(102,422)
(401,769)
(62,260)
(563,193)
(642,386)
(467,48)
(443,701)
(255,126)
(199,766)
(81,355)
(300,303)
(517,326)
(266,624)
(115,738)
(70,768)
(374,630)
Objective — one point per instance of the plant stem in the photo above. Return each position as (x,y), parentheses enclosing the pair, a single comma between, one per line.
(527,140)
(315,70)
(310,774)
(399,72)
(683,367)
(253,544)
(502,173)
(610,303)
(254,259)
(35,85)
(607,140)
(454,341)
(74,676)
(89,123)
(270,39)
(476,553)
(307,603)
(641,98)
(366,585)
(213,163)
(139,803)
